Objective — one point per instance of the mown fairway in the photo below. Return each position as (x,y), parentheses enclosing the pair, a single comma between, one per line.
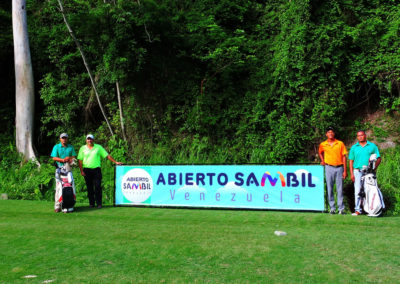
(123,245)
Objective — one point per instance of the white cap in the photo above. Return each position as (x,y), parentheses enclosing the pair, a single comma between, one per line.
(90,136)
(63,135)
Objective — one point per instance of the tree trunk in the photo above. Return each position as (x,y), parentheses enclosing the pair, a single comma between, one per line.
(24,90)
(120,112)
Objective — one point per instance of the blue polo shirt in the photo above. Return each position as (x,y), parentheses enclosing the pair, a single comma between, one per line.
(360,155)
(62,152)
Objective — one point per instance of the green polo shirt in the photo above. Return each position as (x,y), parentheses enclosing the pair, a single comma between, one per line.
(360,155)
(91,158)
(62,152)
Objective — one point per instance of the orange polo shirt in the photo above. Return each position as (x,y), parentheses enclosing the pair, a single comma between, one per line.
(333,153)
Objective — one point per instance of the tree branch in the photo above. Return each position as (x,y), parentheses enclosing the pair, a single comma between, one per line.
(145,26)
(86,65)
(120,111)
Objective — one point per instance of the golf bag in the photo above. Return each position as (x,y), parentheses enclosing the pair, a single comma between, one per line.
(371,197)
(65,186)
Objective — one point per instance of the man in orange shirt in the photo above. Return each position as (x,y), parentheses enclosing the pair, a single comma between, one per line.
(332,153)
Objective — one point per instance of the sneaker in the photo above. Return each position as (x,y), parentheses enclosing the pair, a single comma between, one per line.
(65,210)
(332,212)
(99,207)
(356,213)
(58,210)
(341,212)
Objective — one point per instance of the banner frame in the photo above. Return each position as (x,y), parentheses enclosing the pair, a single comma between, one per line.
(210,207)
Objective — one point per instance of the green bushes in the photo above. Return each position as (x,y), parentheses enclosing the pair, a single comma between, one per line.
(389,179)
(25,180)
(30,182)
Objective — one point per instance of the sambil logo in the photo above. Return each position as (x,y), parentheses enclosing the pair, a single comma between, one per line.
(137,185)
(273,181)
(301,178)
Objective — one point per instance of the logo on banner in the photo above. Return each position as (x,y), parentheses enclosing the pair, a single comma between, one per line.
(137,185)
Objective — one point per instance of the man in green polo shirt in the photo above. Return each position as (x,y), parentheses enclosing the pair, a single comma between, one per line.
(89,158)
(359,157)
(63,152)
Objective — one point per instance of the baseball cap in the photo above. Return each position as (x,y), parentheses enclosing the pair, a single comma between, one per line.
(90,136)
(330,128)
(64,135)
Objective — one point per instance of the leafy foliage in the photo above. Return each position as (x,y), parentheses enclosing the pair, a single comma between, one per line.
(23,180)
(389,180)
(245,75)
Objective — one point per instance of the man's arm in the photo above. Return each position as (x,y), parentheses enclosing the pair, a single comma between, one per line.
(344,160)
(80,167)
(54,155)
(66,159)
(112,160)
(351,170)
(321,156)
(378,161)
(57,159)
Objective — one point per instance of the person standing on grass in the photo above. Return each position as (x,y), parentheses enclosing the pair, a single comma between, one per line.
(89,158)
(332,153)
(359,157)
(62,153)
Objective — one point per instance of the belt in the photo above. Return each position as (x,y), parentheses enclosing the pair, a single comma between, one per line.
(335,166)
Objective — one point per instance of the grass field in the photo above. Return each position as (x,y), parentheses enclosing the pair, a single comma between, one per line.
(151,245)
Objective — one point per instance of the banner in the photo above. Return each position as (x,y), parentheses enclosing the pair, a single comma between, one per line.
(299,187)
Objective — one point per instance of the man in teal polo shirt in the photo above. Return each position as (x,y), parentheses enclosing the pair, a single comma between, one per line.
(62,153)
(89,158)
(359,157)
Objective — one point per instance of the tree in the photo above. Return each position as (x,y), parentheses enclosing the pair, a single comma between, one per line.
(24,94)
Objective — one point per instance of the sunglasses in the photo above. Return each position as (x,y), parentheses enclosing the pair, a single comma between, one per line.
(64,137)
(89,138)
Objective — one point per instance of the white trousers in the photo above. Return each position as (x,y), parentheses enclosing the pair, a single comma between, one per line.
(58,195)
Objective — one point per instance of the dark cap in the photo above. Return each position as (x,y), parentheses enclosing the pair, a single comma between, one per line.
(330,128)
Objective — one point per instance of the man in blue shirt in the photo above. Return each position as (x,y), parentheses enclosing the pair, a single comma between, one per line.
(359,157)
(62,153)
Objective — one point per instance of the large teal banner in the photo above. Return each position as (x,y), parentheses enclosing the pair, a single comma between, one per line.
(233,186)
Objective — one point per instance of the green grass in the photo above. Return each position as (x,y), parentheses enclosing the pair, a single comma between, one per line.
(126,244)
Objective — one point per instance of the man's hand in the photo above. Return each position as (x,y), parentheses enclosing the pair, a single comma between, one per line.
(352,178)
(81,168)
(344,174)
(113,160)
(323,163)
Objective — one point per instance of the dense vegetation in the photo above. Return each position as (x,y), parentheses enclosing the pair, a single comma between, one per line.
(230,81)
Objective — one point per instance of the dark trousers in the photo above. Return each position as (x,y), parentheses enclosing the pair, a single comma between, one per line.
(93,184)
